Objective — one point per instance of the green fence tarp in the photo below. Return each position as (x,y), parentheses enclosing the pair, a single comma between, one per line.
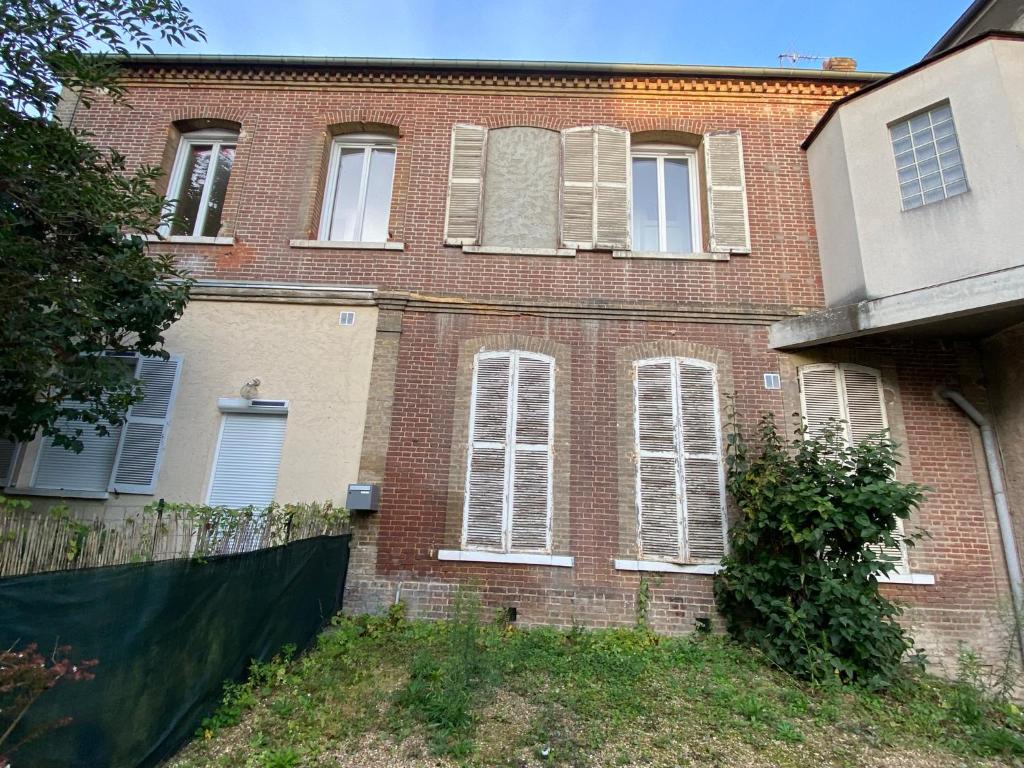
(167,635)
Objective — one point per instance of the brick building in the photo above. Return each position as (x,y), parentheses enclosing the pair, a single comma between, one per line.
(571,271)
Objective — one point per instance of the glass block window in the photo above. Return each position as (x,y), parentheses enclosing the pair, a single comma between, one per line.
(928,160)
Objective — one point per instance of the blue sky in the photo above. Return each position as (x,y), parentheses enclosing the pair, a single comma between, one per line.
(883,35)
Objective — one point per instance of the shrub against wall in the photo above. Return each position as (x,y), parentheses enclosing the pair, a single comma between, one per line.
(800,581)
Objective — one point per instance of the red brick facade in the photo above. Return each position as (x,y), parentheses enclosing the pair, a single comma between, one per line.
(435,298)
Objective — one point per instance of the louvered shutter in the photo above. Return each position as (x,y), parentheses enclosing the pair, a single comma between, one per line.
(821,398)
(465,184)
(248,457)
(144,432)
(58,468)
(611,205)
(727,194)
(578,187)
(703,479)
(484,516)
(530,513)
(8,452)
(657,493)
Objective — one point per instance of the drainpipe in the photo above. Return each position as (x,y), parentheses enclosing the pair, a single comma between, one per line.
(995,476)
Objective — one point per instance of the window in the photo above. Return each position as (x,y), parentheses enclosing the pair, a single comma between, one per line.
(127,458)
(199,180)
(357,199)
(248,457)
(848,397)
(508,482)
(666,199)
(680,482)
(928,162)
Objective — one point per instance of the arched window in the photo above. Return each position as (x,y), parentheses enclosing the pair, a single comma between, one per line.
(357,196)
(666,198)
(199,181)
(511,426)
(680,482)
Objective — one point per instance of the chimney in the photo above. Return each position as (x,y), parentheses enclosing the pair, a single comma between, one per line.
(840,64)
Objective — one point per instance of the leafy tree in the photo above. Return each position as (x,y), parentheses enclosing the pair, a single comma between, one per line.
(800,581)
(73,285)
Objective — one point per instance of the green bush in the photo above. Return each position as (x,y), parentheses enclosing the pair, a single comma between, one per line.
(800,579)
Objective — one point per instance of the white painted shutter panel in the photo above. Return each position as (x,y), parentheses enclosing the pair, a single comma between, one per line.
(821,398)
(578,153)
(531,468)
(144,432)
(248,458)
(611,218)
(727,193)
(61,469)
(465,184)
(703,480)
(657,493)
(8,451)
(485,483)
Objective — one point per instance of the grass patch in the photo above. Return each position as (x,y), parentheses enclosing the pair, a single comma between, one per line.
(465,692)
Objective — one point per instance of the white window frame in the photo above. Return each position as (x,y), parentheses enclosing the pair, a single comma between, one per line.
(219,138)
(510,450)
(367,142)
(680,456)
(660,152)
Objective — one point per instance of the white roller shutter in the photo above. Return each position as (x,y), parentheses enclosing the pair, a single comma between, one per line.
(727,192)
(463,212)
(595,188)
(680,481)
(144,432)
(248,456)
(508,482)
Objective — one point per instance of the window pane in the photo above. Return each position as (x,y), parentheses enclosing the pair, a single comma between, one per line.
(928,166)
(378,196)
(901,145)
(919,122)
(934,195)
(215,205)
(677,206)
(191,190)
(645,204)
(914,201)
(345,218)
(956,187)
(941,113)
(900,131)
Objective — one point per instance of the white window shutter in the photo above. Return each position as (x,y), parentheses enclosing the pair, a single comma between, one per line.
(8,453)
(865,403)
(248,458)
(530,509)
(58,468)
(727,193)
(144,432)
(611,205)
(578,161)
(465,184)
(703,477)
(659,512)
(821,399)
(484,515)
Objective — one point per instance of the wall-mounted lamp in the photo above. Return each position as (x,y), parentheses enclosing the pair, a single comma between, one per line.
(250,390)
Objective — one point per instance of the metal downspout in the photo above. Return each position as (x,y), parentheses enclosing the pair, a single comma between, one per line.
(995,476)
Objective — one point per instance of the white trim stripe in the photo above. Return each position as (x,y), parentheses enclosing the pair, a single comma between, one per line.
(509,558)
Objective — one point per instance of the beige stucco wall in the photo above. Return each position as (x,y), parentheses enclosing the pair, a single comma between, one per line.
(970,234)
(301,354)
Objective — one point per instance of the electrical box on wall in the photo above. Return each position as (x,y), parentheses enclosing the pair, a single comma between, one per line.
(363,497)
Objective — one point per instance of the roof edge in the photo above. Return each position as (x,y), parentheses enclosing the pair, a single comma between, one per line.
(838,103)
(579,67)
(974,10)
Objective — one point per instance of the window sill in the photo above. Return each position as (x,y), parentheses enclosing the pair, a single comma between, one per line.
(657,566)
(57,493)
(667,256)
(502,251)
(509,558)
(347,244)
(920,579)
(190,240)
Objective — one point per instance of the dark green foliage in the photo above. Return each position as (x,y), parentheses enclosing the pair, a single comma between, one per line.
(799,581)
(72,283)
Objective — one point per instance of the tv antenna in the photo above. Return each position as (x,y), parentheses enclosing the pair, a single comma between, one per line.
(795,58)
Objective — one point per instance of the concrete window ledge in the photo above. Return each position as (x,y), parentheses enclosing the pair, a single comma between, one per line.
(503,251)
(666,256)
(190,240)
(509,558)
(346,244)
(656,566)
(920,579)
(56,493)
